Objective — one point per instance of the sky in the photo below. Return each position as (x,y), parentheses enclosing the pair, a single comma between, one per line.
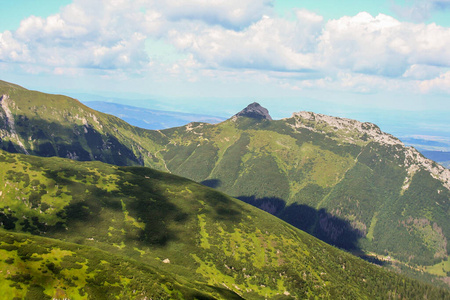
(375,60)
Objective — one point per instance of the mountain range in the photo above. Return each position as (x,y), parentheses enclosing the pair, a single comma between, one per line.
(133,232)
(150,118)
(345,182)
(159,119)
(443,157)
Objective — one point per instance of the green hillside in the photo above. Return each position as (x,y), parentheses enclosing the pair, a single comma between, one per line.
(41,268)
(343,181)
(357,188)
(54,125)
(147,224)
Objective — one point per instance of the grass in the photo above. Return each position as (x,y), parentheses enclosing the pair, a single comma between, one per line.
(353,179)
(40,268)
(440,269)
(373,223)
(170,225)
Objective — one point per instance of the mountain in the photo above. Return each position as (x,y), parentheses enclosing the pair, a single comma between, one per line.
(254,111)
(53,125)
(341,180)
(443,157)
(108,231)
(346,182)
(150,118)
(158,119)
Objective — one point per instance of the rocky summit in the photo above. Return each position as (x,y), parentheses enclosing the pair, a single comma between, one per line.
(255,111)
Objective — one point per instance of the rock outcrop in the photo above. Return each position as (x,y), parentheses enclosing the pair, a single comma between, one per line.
(254,111)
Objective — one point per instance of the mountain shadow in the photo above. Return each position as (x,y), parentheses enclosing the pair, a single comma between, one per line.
(138,205)
(319,223)
(212,183)
(78,142)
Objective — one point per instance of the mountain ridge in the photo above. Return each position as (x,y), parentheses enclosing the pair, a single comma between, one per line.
(374,132)
(350,186)
(150,118)
(167,225)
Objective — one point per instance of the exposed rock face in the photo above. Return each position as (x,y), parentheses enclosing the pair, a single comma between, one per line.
(346,129)
(4,101)
(254,111)
(344,125)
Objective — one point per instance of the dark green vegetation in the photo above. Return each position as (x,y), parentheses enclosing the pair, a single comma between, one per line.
(358,189)
(53,125)
(343,181)
(123,230)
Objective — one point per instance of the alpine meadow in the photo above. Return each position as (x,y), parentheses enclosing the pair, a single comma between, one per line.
(107,220)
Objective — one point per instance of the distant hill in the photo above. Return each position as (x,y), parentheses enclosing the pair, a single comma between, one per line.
(346,182)
(442,157)
(150,118)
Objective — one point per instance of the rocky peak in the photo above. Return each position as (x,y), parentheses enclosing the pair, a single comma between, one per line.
(254,111)
(345,129)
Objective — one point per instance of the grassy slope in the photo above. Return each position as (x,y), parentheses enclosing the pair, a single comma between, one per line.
(169,224)
(41,268)
(308,178)
(56,125)
(346,194)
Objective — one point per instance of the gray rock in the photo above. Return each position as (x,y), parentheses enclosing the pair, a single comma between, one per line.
(254,111)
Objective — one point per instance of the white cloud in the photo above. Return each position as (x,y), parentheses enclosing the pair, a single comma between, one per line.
(373,52)
(13,50)
(221,39)
(365,44)
(439,84)
(422,72)
(111,34)
(232,14)
(269,44)
(86,34)
(382,45)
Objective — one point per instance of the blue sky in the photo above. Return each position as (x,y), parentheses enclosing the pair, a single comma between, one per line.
(21,9)
(404,10)
(358,59)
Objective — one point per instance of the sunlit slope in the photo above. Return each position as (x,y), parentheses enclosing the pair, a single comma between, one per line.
(346,182)
(41,268)
(343,181)
(177,226)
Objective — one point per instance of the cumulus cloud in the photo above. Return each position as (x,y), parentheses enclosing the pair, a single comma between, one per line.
(224,38)
(422,72)
(111,34)
(85,34)
(13,50)
(382,45)
(362,44)
(438,84)
(233,14)
(269,44)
